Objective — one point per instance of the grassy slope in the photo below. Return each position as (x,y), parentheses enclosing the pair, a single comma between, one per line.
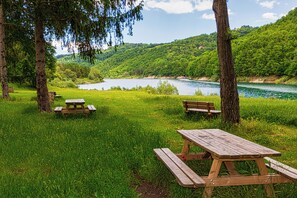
(43,155)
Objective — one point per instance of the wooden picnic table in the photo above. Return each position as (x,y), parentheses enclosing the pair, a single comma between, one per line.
(224,148)
(75,103)
(75,106)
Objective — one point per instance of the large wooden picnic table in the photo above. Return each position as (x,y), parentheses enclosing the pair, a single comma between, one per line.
(225,148)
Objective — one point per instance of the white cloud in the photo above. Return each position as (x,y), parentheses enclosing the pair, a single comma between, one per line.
(172,6)
(179,6)
(267,4)
(211,16)
(208,16)
(202,5)
(270,16)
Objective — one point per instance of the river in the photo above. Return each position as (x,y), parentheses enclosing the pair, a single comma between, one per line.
(189,87)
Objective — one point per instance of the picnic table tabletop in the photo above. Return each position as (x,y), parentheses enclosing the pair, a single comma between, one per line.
(75,101)
(225,145)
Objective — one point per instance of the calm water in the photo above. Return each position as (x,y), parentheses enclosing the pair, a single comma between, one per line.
(188,87)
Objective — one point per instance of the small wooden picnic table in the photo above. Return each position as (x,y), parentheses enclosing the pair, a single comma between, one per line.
(75,106)
(75,103)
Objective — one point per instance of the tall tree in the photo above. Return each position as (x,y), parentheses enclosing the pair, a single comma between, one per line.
(87,24)
(3,66)
(228,90)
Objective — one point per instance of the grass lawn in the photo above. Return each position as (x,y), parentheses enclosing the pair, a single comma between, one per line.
(45,155)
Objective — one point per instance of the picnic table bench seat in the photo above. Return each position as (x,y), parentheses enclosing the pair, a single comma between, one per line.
(58,109)
(91,108)
(185,176)
(198,106)
(281,168)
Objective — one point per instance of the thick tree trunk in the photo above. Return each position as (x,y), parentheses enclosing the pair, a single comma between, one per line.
(41,84)
(229,93)
(3,67)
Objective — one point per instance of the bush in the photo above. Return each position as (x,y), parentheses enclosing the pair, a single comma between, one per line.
(166,88)
(95,75)
(198,92)
(63,84)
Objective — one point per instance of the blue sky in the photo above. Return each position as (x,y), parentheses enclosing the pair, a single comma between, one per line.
(167,20)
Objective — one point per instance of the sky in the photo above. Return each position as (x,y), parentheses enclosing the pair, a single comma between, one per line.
(168,20)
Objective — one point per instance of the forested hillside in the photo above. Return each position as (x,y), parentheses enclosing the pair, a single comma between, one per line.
(268,50)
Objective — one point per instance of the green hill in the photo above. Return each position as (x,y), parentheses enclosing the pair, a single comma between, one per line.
(268,50)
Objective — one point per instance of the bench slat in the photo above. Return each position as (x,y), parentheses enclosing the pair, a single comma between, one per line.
(91,108)
(58,109)
(182,178)
(281,168)
(184,175)
(198,181)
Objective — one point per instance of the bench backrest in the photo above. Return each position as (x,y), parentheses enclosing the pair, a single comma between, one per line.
(198,105)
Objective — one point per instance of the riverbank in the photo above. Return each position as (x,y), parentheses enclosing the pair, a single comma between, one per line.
(256,79)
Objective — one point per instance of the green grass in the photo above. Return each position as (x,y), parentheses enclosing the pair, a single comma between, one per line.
(45,155)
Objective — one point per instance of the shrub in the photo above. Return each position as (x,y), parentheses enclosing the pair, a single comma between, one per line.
(166,88)
(63,84)
(198,92)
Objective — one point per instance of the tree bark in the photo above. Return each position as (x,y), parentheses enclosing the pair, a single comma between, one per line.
(3,66)
(228,82)
(41,81)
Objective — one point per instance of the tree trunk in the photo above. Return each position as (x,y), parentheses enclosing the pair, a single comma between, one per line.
(41,84)
(229,93)
(3,67)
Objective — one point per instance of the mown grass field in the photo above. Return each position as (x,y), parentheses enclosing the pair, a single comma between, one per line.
(45,155)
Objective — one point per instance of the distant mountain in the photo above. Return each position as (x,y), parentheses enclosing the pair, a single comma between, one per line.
(264,51)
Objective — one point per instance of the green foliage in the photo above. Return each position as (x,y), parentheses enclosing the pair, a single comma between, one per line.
(164,87)
(95,74)
(72,70)
(63,83)
(198,92)
(21,60)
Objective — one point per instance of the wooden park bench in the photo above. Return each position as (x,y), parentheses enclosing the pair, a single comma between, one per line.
(53,95)
(203,107)
(10,90)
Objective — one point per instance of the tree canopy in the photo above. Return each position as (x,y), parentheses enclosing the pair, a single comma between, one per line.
(85,24)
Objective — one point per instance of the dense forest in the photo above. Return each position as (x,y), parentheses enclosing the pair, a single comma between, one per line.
(265,51)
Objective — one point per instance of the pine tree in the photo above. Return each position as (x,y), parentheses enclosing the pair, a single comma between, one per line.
(88,24)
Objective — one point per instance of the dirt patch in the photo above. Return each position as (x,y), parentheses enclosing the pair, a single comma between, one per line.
(148,190)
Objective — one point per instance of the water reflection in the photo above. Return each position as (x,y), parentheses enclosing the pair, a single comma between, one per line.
(189,87)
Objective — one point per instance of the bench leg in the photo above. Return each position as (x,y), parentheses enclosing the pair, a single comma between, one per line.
(213,173)
(263,171)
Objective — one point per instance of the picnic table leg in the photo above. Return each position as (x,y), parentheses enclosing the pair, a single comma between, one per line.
(213,173)
(263,171)
(231,167)
(185,149)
